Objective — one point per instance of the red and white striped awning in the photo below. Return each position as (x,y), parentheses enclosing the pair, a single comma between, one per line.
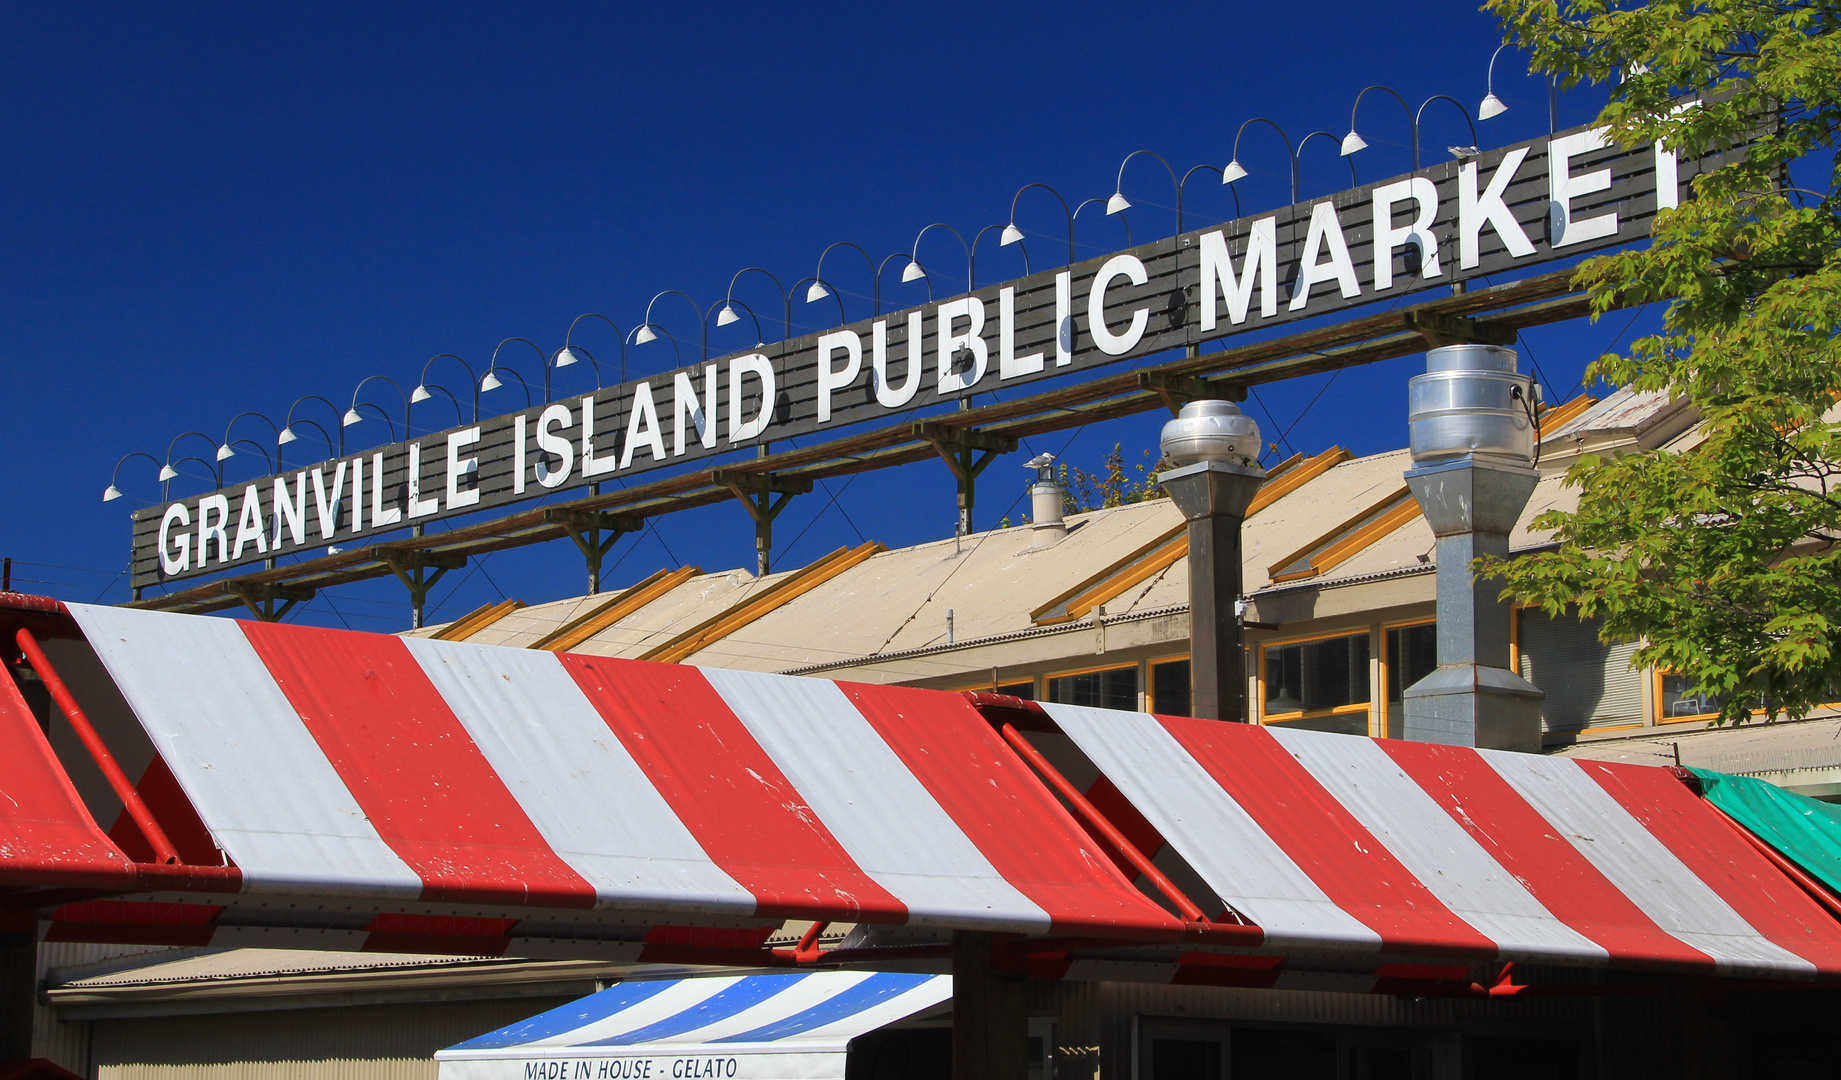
(1349,846)
(329,789)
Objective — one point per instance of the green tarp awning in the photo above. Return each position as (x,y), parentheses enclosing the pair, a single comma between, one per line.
(1807,831)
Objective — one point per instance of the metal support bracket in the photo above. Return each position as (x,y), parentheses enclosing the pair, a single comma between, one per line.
(261,597)
(585,526)
(412,568)
(764,495)
(1176,390)
(966,452)
(1440,329)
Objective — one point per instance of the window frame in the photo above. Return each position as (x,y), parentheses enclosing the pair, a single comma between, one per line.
(1377,724)
(1313,714)
(1138,665)
(1147,682)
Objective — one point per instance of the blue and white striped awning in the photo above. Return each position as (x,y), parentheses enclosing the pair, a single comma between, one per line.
(793,1026)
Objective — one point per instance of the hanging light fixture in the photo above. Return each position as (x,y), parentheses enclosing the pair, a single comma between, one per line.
(1353,142)
(1234,171)
(167,472)
(1491,106)
(1011,235)
(419,394)
(1117,203)
(287,436)
(111,493)
(816,292)
(567,356)
(912,272)
(490,382)
(727,315)
(225,453)
(352,416)
(644,335)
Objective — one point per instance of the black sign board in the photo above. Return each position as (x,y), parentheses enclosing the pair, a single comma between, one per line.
(1548,198)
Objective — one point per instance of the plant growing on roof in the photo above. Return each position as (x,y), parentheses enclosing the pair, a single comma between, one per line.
(1723,558)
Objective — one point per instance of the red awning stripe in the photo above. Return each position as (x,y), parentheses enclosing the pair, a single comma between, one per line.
(1027,836)
(414,770)
(1462,784)
(1540,858)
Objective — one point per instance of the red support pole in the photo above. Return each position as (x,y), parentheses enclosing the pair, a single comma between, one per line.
(124,790)
(1091,815)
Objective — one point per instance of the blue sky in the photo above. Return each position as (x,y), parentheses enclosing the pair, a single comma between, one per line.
(206,209)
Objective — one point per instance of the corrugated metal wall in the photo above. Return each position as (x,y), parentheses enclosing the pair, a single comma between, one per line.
(1587,683)
(395,1042)
(68,1044)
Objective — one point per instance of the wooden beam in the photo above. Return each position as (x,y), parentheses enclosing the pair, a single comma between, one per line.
(616,607)
(797,583)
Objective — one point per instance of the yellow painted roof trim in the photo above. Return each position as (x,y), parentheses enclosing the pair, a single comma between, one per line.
(1562,414)
(1277,487)
(476,620)
(1361,530)
(797,583)
(1096,589)
(616,607)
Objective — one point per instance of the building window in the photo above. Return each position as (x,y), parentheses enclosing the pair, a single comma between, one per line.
(1110,688)
(1679,699)
(1587,683)
(1320,684)
(1025,690)
(1412,654)
(1170,687)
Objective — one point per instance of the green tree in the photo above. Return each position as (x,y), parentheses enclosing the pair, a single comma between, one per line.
(1113,485)
(1721,557)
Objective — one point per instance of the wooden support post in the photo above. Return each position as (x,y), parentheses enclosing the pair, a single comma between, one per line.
(584,527)
(261,597)
(1175,390)
(990,1013)
(764,495)
(966,452)
(412,569)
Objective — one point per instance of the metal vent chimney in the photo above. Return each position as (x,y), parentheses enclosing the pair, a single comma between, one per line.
(1046,524)
(1216,450)
(1472,421)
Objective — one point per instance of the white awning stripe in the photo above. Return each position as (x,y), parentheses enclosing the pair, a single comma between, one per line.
(243,756)
(889,823)
(590,800)
(1435,849)
(1641,867)
(1240,862)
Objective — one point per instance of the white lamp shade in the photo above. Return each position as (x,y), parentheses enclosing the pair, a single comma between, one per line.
(727,315)
(167,472)
(1491,106)
(111,493)
(352,416)
(420,393)
(912,272)
(567,356)
(644,335)
(816,292)
(490,382)
(1234,171)
(1353,142)
(1010,235)
(224,453)
(1117,203)
(287,436)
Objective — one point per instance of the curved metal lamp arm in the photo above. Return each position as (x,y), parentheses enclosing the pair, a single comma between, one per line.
(1183,184)
(760,336)
(842,318)
(460,416)
(1305,141)
(786,298)
(1291,154)
(914,257)
(669,336)
(1118,188)
(980,236)
(1123,220)
(618,336)
(1404,107)
(1064,209)
(884,266)
(111,493)
(394,386)
(1418,116)
(818,272)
